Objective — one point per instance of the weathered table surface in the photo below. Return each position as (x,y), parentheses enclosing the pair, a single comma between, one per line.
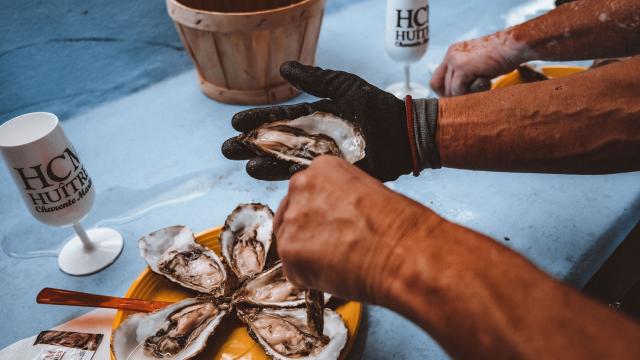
(155,160)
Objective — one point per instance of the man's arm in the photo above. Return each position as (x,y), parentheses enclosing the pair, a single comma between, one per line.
(584,29)
(588,123)
(480,300)
(343,232)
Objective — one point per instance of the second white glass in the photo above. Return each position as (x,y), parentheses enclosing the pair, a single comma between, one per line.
(57,189)
(406,41)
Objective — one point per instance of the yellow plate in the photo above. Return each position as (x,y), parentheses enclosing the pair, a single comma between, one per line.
(230,340)
(513,78)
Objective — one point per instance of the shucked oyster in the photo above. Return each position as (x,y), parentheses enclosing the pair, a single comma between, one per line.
(271,289)
(179,331)
(302,139)
(246,238)
(174,253)
(286,334)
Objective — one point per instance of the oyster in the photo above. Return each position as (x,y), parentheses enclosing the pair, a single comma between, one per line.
(302,139)
(174,253)
(271,289)
(246,238)
(179,331)
(285,333)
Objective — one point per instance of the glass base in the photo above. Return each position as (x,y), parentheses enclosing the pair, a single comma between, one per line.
(74,259)
(416,90)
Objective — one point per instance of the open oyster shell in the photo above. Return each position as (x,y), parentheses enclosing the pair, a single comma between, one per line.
(285,333)
(174,253)
(302,139)
(178,332)
(271,289)
(246,238)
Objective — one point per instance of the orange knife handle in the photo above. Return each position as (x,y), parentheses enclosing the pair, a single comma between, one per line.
(75,298)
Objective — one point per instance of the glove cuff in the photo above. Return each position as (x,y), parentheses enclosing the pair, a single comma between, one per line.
(425,126)
(413,148)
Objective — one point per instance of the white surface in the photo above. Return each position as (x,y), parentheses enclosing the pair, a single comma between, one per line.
(95,322)
(162,166)
(75,259)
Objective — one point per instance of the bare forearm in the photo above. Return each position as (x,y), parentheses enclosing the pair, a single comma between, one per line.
(580,30)
(588,123)
(480,300)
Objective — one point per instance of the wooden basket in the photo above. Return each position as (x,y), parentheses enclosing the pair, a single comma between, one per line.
(238,46)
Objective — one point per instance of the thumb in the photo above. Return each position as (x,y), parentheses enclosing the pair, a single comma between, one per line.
(319,82)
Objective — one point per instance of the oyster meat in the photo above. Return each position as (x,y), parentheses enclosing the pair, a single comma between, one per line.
(246,238)
(286,334)
(174,253)
(271,289)
(179,331)
(288,322)
(302,139)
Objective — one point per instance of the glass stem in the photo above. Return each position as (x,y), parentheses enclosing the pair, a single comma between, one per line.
(407,78)
(86,242)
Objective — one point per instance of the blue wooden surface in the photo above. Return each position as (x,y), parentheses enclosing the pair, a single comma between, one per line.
(69,55)
(155,161)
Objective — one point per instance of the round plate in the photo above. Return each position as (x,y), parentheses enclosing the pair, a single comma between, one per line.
(230,340)
(513,78)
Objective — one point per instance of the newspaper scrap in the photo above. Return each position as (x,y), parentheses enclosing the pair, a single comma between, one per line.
(66,345)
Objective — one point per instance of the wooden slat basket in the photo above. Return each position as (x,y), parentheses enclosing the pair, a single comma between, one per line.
(237,46)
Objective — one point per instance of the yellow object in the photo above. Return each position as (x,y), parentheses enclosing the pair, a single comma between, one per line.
(230,340)
(513,78)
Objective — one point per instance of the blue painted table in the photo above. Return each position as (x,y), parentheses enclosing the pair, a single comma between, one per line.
(155,160)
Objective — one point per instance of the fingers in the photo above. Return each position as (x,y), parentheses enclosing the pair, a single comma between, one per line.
(234,149)
(269,169)
(277,219)
(438,79)
(292,275)
(480,84)
(289,263)
(447,81)
(319,82)
(293,169)
(460,83)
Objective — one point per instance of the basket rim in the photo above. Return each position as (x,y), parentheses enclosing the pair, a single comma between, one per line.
(277,10)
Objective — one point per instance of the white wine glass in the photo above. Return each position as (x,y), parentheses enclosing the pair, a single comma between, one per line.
(406,41)
(57,189)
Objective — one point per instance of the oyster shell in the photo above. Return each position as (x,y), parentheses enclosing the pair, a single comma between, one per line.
(174,253)
(285,333)
(271,289)
(314,301)
(246,238)
(302,139)
(179,331)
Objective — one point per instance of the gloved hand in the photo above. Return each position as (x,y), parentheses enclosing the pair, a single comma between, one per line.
(380,116)
(482,58)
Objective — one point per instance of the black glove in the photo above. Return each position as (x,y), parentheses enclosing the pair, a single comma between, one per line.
(380,116)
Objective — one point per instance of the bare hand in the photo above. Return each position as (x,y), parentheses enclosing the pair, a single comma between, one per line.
(466,61)
(340,230)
